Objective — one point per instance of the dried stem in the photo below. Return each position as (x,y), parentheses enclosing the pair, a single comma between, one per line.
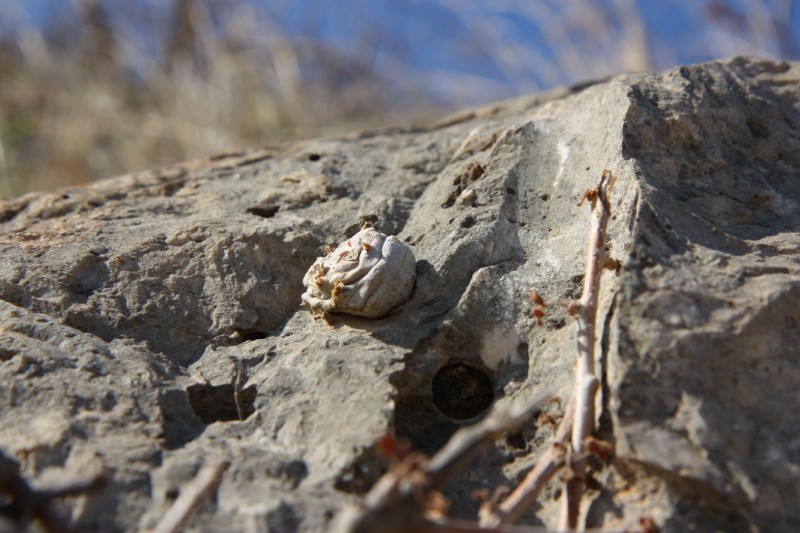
(526,492)
(469,442)
(578,421)
(191,494)
(406,496)
(586,383)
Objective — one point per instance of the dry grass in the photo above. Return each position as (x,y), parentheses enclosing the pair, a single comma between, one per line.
(113,86)
(83,100)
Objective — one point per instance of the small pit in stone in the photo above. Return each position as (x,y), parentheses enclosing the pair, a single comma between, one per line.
(462,391)
(263,211)
(245,335)
(516,440)
(221,403)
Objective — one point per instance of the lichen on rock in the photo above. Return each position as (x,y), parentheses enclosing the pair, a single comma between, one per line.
(367,275)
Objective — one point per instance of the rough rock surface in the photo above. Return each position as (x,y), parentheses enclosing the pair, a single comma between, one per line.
(152,322)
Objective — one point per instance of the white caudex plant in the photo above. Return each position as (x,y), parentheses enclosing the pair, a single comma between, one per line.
(367,275)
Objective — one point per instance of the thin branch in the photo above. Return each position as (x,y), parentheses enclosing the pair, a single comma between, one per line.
(203,483)
(527,491)
(586,383)
(405,498)
(469,442)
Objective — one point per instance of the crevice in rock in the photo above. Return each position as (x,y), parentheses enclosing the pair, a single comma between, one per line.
(263,211)
(245,335)
(179,425)
(605,425)
(6,354)
(221,403)
(87,275)
(10,209)
(472,173)
(517,440)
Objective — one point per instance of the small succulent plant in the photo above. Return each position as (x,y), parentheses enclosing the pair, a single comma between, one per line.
(367,275)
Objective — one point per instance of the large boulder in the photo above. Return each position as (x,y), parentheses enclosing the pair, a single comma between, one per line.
(152,323)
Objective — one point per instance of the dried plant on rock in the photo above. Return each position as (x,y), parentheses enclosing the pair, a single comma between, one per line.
(367,275)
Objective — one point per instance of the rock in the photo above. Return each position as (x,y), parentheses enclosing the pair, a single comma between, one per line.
(151,323)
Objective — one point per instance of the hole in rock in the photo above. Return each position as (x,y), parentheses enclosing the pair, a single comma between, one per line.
(516,440)
(757,129)
(462,391)
(245,335)
(314,157)
(468,222)
(219,404)
(263,211)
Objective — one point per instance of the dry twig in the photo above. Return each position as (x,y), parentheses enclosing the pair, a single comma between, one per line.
(191,494)
(526,492)
(577,424)
(407,497)
(586,383)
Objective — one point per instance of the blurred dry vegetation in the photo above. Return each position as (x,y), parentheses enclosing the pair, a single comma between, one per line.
(106,87)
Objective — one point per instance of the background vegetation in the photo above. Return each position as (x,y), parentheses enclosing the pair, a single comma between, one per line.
(95,88)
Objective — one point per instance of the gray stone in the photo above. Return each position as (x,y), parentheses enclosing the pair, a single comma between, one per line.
(152,322)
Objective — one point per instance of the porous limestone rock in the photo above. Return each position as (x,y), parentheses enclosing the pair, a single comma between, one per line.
(151,323)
